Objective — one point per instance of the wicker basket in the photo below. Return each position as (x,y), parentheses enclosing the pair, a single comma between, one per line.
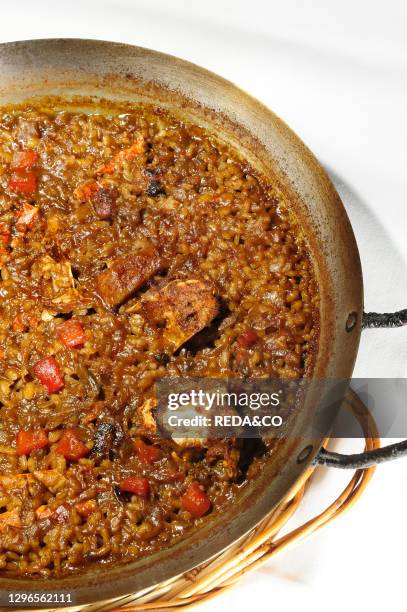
(253,550)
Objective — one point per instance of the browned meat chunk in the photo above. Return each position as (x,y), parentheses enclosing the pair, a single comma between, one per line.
(126,275)
(104,202)
(181,309)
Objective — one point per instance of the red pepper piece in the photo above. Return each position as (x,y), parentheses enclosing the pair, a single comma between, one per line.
(241,357)
(86,508)
(146,452)
(47,372)
(195,500)
(23,182)
(88,190)
(247,339)
(30,440)
(124,155)
(177,476)
(136,485)
(71,446)
(24,160)
(71,333)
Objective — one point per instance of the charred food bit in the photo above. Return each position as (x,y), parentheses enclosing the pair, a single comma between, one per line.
(155,188)
(126,275)
(108,438)
(180,309)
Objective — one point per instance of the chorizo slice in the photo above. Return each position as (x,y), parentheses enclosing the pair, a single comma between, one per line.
(126,275)
(180,309)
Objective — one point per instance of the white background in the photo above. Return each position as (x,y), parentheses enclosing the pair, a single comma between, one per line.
(336,71)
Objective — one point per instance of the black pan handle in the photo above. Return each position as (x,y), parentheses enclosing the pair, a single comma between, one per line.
(379,455)
(384,319)
(361,460)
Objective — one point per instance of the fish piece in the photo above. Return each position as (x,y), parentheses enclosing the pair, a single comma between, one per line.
(27,131)
(62,277)
(58,272)
(190,442)
(181,309)
(146,413)
(26,217)
(10,519)
(126,275)
(15,482)
(52,479)
(62,294)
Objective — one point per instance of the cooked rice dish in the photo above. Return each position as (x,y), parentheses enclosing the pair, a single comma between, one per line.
(133,246)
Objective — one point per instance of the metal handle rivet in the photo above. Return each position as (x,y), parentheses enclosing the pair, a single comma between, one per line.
(351,321)
(305,453)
